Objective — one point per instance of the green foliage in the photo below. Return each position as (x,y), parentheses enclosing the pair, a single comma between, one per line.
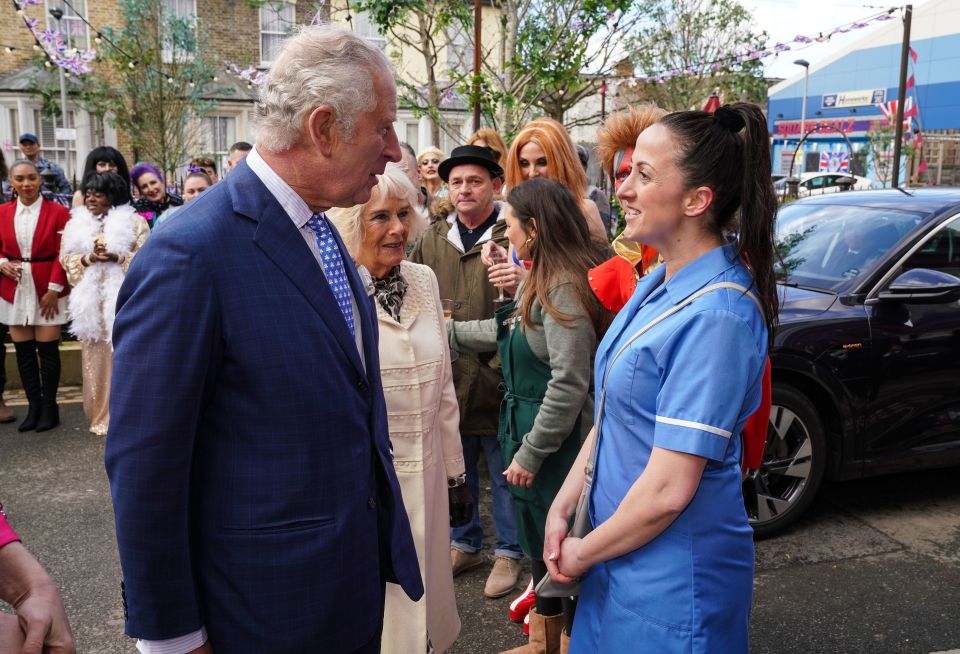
(684,34)
(879,151)
(164,80)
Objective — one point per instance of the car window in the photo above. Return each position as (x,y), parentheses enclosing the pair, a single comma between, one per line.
(814,182)
(828,246)
(942,252)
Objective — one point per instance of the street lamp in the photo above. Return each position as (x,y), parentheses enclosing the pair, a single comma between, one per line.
(803,106)
(57,14)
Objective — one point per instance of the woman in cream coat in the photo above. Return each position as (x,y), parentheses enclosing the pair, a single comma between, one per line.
(422,408)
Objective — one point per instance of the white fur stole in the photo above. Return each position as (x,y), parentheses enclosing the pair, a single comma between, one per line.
(92,303)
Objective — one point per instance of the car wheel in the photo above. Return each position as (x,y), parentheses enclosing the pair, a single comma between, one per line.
(794,461)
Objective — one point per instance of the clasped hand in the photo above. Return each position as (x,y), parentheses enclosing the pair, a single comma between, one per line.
(11,270)
(561,552)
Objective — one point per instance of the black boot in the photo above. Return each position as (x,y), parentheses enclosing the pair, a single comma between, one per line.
(50,379)
(30,378)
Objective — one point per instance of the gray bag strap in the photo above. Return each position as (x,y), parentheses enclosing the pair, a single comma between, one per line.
(640,332)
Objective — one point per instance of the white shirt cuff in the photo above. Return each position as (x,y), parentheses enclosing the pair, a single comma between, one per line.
(180,645)
(56,288)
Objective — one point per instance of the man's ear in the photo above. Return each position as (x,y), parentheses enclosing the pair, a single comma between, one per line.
(697,201)
(322,129)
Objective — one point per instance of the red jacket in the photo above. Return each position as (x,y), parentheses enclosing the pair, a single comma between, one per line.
(46,245)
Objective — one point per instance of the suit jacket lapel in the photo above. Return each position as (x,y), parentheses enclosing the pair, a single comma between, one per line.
(283,244)
(365,305)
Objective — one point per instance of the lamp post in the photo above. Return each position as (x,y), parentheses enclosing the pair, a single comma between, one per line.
(803,104)
(57,14)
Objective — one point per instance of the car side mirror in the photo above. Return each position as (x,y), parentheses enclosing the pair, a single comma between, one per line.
(922,286)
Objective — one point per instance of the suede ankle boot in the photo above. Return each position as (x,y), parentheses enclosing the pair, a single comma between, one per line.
(29,369)
(544,635)
(49,352)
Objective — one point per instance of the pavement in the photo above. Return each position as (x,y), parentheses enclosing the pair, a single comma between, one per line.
(873,568)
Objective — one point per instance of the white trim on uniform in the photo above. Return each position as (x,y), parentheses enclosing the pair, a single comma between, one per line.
(695,425)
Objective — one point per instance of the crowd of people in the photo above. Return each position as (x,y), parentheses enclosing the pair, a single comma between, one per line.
(342,328)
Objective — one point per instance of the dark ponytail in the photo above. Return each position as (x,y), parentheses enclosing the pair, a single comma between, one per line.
(729,151)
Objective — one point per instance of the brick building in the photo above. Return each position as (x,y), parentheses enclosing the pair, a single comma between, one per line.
(236,31)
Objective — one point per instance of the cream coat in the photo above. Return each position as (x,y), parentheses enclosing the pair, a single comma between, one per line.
(424,430)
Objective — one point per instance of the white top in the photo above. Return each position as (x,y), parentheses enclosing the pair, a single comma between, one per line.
(25,309)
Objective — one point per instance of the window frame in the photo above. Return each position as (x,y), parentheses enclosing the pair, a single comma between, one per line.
(73,17)
(290,5)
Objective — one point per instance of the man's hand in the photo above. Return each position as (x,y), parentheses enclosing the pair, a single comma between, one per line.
(461,505)
(48,304)
(517,475)
(486,250)
(11,638)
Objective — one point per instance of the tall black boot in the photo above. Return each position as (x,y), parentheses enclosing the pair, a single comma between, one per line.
(50,379)
(30,378)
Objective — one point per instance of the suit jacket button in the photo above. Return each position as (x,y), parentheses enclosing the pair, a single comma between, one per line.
(372,503)
(362,385)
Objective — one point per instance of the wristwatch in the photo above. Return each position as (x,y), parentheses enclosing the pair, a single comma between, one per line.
(459,480)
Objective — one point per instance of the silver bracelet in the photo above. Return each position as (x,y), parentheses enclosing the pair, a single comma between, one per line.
(459,480)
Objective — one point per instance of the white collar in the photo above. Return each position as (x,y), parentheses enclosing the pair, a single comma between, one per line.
(292,203)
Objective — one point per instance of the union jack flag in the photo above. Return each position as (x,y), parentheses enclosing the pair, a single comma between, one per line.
(837,161)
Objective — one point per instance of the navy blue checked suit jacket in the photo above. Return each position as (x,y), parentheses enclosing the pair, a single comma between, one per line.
(248,452)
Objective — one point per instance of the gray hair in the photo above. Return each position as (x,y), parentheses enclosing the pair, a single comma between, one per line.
(393,183)
(319,65)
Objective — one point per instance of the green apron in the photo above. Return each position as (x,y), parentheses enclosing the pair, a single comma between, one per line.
(525,379)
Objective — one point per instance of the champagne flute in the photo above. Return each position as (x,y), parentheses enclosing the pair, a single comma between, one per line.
(498,255)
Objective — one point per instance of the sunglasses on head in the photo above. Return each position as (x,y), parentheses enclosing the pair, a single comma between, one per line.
(427,162)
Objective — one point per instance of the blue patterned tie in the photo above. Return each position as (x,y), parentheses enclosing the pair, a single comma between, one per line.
(332,264)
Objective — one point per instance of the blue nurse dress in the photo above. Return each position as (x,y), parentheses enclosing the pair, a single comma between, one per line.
(689,385)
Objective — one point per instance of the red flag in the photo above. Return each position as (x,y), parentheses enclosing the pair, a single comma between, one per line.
(713,103)
(911,110)
(910,83)
(913,55)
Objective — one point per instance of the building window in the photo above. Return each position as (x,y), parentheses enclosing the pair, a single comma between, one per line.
(177,10)
(219,133)
(277,18)
(364,26)
(72,26)
(448,142)
(51,148)
(413,135)
(458,48)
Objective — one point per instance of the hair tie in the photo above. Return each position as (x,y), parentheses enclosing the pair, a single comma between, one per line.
(729,118)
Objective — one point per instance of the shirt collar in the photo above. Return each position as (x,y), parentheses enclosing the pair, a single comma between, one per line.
(699,272)
(292,203)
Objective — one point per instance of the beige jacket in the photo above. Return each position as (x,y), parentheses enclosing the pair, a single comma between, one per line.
(463,278)
(424,421)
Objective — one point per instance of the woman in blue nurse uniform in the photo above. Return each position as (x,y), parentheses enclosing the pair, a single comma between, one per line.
(669,564)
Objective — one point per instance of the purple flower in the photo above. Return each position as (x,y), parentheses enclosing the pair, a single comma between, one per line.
(800,38)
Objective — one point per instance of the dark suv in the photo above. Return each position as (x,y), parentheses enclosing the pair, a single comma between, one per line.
(866,358)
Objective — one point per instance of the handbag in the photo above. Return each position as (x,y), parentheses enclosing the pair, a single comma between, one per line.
(581,525)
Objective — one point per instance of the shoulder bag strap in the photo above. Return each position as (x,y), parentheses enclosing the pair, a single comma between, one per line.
(640,332)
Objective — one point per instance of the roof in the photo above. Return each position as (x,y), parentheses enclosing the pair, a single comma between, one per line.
(922,200)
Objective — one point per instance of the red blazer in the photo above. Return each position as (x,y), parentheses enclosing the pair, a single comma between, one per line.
(46,244)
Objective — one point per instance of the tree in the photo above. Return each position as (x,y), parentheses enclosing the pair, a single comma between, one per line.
(556,52)
(437,32)
(879,152)
(689,48)
(163,80)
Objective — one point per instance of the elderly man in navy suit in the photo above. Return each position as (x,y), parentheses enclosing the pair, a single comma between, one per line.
(256,505)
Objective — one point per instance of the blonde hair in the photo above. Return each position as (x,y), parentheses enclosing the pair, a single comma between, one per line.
(431,150)
(621,129)
(493,140)
(563,164)
(393,183)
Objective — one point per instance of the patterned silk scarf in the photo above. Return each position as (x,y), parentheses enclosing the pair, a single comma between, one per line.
(390,290)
